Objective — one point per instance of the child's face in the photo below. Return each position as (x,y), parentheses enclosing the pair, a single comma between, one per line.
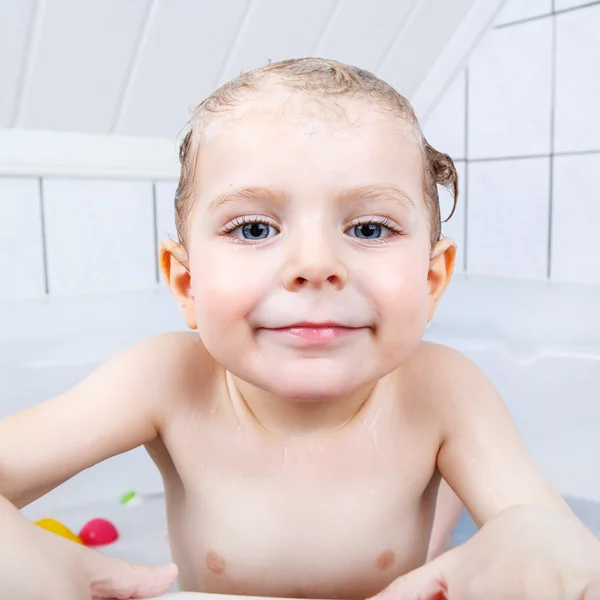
(309,214)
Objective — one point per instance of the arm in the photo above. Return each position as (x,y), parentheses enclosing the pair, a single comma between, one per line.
(482,456)
(118,407)
(530,544)
(113,410)
(448,509)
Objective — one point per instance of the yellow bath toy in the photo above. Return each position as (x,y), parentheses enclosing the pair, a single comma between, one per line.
(59,529)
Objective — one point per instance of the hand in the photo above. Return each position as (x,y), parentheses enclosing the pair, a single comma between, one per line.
(35,564)
(524,553)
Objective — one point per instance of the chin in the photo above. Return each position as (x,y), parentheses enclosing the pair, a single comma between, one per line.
(318,383)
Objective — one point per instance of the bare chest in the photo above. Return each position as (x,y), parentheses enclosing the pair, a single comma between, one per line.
(338,516)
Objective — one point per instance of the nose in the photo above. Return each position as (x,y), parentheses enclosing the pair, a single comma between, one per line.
(313,262)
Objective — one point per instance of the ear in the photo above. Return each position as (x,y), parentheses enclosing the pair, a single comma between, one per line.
(441,267)
(175,269)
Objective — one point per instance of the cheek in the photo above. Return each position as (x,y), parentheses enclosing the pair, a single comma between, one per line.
(399,290)
(400,279)
(228,282)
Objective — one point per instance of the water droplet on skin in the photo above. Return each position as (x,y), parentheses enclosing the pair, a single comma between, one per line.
(285,451)
(375,440)
(214,410)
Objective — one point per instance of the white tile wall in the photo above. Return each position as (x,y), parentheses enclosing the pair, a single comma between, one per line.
(517,10)
(21,246)
(165,214)
(444,128)
(455,227)
(99,235)
(566,4)
(577,121)
(509,92)
(165,210)
(507,222)
(576,219)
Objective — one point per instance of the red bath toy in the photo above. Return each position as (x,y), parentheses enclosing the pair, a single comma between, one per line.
(98,532)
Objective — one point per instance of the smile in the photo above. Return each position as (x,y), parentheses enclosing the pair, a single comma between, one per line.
(315,333)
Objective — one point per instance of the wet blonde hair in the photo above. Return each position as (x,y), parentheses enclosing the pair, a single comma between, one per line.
(322,78)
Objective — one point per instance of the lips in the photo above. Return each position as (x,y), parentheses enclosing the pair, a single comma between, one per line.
(315,333)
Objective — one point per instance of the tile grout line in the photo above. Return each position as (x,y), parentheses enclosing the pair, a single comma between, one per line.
(552,143)
(523,21)
(466,174)
(528,156)
(553,12)
(155,231)
(43,232)
(562,11)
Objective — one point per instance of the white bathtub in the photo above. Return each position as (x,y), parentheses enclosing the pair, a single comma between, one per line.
(539,343)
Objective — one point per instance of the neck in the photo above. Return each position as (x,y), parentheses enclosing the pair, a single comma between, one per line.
(299,418)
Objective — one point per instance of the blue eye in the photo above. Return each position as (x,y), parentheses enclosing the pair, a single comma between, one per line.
(252,231)
(367,231)
(255,231)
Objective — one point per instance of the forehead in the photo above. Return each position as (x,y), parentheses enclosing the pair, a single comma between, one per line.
(284,138)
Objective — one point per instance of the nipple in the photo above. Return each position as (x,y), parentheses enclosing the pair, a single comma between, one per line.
(386,560)
(215,563)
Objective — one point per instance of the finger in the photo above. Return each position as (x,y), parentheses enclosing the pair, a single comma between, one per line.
(112,578)
(428,582)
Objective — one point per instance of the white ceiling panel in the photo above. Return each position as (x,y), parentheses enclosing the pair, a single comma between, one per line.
(84,82)
(180,60)
(421,41)
(276,30)
(82,57)
(15,19)
(362,37)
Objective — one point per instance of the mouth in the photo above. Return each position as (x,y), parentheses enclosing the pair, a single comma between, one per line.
(315,333)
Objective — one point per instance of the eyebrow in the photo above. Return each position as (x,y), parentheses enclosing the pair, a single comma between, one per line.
(364,192)
(383,191)
(254,194)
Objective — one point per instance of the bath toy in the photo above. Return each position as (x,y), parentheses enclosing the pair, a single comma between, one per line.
(130,498)
(58,528)
(98,532)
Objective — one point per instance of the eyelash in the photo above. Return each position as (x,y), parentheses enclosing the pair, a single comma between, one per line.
(252,219)
(245,220)
(384,222)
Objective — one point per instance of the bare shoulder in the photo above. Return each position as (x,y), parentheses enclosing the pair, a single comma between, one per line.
(174,352)
(171,364)
(448,379)
(446,361)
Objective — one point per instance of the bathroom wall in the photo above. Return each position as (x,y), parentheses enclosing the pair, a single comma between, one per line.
(521,120)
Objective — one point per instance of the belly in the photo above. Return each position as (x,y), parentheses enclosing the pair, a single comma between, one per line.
(265,543)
